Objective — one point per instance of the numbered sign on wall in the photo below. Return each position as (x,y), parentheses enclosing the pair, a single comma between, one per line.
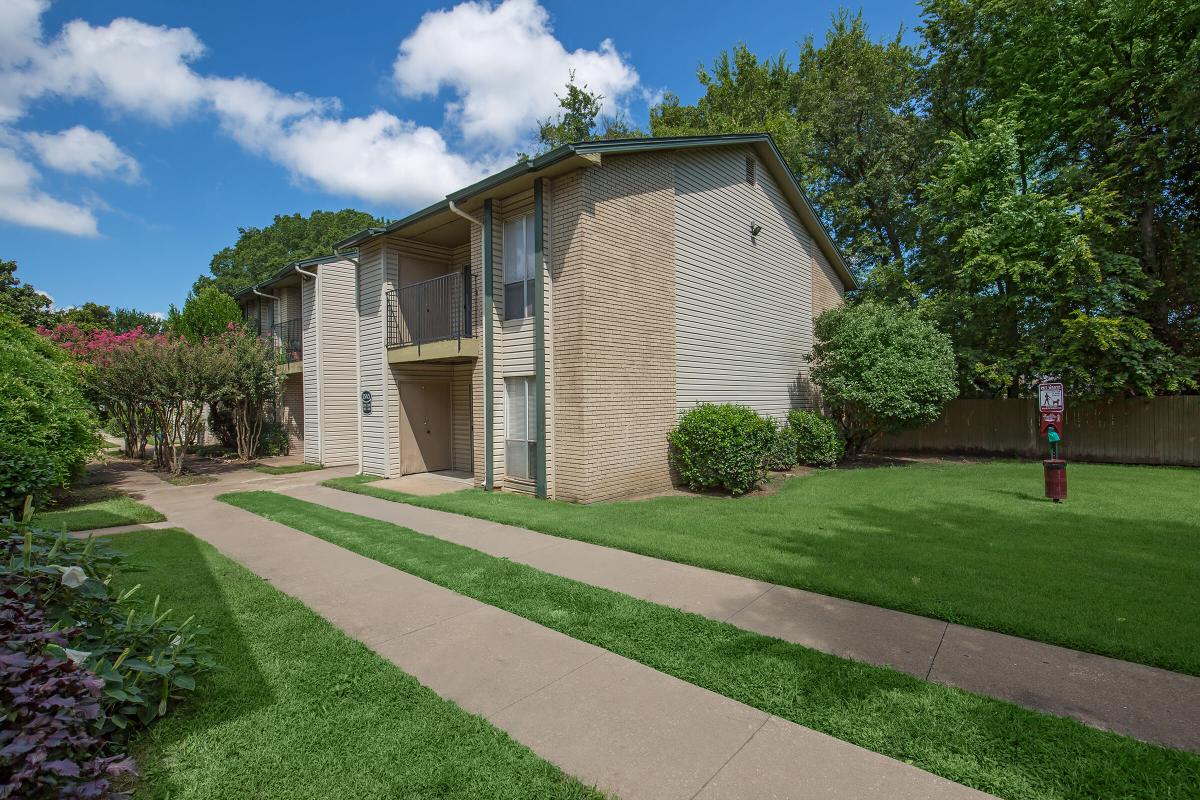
(366,403)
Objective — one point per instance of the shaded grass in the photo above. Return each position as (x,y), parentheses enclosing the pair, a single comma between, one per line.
(985,743)
(288,470)
(304,711)
(119,510)
(1113,570)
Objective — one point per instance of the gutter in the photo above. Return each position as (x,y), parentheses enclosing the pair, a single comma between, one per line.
(462,213)
(263,294)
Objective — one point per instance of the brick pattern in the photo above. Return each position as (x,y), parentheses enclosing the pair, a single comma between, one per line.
(614,328)
(292,408)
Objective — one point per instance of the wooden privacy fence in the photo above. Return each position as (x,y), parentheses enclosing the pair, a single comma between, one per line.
(1155,430)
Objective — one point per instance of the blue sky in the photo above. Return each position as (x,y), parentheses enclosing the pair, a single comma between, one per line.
(184,121)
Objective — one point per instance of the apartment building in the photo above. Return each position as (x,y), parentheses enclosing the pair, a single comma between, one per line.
(543,328)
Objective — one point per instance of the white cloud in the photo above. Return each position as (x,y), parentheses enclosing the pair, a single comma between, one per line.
(126,65)
(505,65)
(502,62)
(83,151)
(22,203)
(20,29)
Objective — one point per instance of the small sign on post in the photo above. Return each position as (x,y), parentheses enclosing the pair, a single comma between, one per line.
(1052,415)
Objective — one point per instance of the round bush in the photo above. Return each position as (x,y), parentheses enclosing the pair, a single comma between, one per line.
(818,441)
(721,447)
(782,455)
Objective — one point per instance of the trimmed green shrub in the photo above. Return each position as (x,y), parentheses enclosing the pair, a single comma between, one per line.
(818,441)
(881,368)
(782,455)
(721,447)
(48,429)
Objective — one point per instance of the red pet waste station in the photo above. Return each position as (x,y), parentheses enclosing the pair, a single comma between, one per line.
(1052,413)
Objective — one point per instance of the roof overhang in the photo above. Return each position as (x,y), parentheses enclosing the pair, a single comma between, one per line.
(569,157)
(287,275)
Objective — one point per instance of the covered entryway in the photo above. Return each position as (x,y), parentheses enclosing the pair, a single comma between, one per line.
(424,426)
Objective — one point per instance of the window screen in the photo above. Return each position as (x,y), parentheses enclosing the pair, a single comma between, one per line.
(520,428)
(519,272)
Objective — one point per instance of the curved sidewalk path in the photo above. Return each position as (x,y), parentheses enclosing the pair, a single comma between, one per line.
(605,719)
(1147,703)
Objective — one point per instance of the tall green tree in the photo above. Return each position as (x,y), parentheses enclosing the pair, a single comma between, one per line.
(260,252)
(20,300)
(1104,92)
(127,319)
(206,313)
(579,120)
(1020,272)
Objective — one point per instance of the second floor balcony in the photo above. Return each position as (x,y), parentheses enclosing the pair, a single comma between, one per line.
(288,340)
(433,319)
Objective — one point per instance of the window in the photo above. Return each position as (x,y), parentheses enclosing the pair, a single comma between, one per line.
(520,428)
(519,271)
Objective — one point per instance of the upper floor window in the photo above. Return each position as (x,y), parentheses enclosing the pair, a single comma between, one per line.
(519,272)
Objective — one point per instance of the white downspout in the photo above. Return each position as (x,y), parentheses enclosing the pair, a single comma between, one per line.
(455,209)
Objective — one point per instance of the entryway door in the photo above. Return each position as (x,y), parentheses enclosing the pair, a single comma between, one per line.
(424,426)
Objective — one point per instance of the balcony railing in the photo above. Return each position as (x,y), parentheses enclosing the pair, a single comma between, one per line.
(435,310)
(288,340)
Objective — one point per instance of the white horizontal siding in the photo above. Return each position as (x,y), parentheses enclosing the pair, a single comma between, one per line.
(743,306)
(372,357)
(339,387)
(310,356)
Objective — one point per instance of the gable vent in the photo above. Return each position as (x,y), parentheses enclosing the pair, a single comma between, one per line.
(751,176)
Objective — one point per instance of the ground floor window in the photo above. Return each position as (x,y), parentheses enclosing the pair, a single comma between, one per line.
(520,428)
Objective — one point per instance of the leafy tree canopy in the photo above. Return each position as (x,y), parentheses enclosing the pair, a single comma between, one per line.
(33,308)
(260,252)
(21,300)
(579,120)
(207,312)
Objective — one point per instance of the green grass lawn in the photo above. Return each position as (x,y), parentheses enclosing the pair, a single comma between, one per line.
(303,711)
(982,742)
(105,513)
(1114,570)
(288,470)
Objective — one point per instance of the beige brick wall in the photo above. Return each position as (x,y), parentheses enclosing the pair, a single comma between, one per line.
(614,328)
(292,416)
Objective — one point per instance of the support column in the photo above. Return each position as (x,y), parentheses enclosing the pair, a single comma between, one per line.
(539,330)
(488,477)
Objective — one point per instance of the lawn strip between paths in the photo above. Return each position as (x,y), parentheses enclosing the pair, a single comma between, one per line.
(107,513)
(984,743)
(303,711)
(1114,570)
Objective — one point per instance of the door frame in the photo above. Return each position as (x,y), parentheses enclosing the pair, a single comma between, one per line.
(446,380)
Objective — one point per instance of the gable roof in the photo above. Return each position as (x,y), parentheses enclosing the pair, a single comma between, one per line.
(289,269)
(763,144)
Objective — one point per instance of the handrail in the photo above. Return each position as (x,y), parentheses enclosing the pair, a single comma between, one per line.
(435,310)
(287,338)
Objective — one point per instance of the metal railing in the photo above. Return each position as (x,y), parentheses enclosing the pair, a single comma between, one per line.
(435,310)
(288,340)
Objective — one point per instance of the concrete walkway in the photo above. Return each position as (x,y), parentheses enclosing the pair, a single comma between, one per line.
(605,719)
(1146,703)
